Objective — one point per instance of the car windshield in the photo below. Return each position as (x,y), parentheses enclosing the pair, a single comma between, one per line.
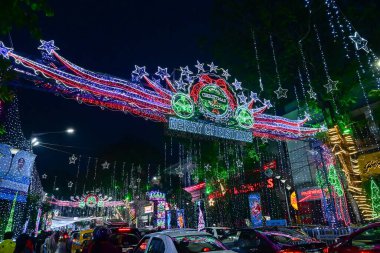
(197,243)
(286,238)
(223,231)
(124,239)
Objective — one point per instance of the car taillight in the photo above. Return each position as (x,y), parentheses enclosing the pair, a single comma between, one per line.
(124,230)
(326,250)
(206,250)
(291,251)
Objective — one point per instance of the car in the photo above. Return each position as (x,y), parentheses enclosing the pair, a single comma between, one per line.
(125,238)
(363,240)
(272,241)
(180,241)
(217,232)
(78,238)
(295,231)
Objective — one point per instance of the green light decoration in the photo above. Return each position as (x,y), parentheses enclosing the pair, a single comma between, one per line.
(244,117)
(319,179)
(10,219)
(375,197)
(214,102)
(183,105)
(334,181)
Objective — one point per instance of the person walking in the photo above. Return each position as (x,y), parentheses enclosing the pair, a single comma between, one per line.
(8,245)
(24,244)
(101,242)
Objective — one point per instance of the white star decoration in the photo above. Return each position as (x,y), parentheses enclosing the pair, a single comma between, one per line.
(70,184)
(239,163)
(5,51)
(140,72)
(185,71)
(207,167)
(162,73)
(237,85)
(180,84)
(360,43)
(105,165)
(281,93)
(44,176)
(225,74)
(267,103)
(72,159)
(213,67)
(242,98)
(254,96)
(312,94)
(48,46)
(200,67)
(331,85)
(264,140)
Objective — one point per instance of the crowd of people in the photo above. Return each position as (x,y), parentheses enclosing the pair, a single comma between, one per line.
(57,242)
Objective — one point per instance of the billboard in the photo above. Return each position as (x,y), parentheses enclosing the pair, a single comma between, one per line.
(255,209)
(15,173)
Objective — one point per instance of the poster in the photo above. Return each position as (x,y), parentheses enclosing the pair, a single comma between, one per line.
(15,173)
(255,209)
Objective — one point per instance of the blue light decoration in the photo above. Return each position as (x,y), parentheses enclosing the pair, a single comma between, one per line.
(181,218)
(148,98)
(255,209)
(15,173)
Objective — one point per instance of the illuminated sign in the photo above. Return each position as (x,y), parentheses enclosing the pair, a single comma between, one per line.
(209,130)
(245,188)
(156,195)
(369,164)
(310,194)
(148,209)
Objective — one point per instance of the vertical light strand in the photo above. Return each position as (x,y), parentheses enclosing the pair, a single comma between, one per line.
(276,68)
(257,61)
(311,92)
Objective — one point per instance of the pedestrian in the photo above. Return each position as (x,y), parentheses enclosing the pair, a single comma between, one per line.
(8,245)
(101,242)
(24,244)
(62,245)
(52,243)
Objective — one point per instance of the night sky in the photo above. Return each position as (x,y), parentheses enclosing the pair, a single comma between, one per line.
(111,38)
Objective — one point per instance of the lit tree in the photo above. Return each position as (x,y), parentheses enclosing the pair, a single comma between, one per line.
(375,197)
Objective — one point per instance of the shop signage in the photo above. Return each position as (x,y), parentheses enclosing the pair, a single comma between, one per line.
(369,164)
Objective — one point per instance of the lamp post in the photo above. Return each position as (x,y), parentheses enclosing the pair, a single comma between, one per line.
(286,187)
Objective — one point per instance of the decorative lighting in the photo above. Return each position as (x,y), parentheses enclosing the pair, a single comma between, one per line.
(70,130)
(288,187)
(277,177)
(36,143)
(283,180)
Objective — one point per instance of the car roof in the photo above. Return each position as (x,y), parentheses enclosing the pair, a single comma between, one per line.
(218,227)
(86,231)
(178,232)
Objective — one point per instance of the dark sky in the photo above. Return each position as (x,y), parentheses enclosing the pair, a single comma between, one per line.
(109,37)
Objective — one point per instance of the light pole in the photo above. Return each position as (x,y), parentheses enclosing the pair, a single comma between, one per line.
(286,187)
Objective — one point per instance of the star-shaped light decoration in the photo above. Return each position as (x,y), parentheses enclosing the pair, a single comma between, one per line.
(44,176)
(312,94)
(264,140)
(162,73)
(211,202)
(281,93)
(72,159)
(185,71)
(225,74)
(254,96)
(196,179)
(138,180)
(180,84)
(156,81)
(267,103)
(180,174)
(70,184)
(242,98)
(190,79)
(307,116)
(139,72)
(239,163)
(5,51)
(331,85)
(323,128)
(48,46)
(360,43)
(200,67)
(236,84)
(105,165)
(213,67)
(207,167)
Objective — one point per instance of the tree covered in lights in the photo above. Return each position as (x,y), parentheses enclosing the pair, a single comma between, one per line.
(375,198)
(335,181)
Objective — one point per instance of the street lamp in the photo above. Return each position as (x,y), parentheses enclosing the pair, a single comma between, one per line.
(69,130)
(286,187)
(14,151)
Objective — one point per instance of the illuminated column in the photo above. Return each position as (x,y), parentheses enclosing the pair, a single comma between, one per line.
(343,147)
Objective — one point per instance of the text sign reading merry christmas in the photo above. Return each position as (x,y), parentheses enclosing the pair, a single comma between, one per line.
(209,130)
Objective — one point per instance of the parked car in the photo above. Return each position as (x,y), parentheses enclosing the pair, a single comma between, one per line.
(78,238)
(364,240)
(218,232)
(272,241)
(180,241)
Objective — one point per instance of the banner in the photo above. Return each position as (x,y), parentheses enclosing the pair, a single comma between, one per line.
(15,173)
(255,209)
(369,164)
